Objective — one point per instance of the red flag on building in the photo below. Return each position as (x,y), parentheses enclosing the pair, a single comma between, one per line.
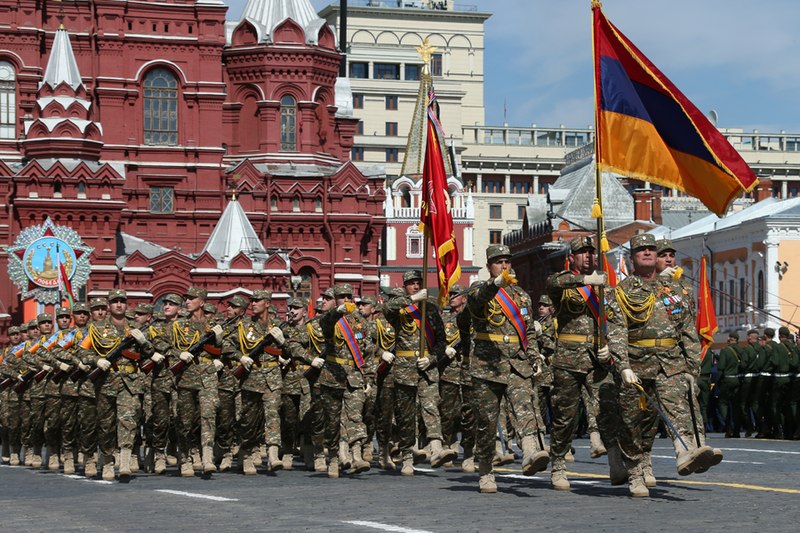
(612,275)
(435,215)
(64,285)
(648,130)
(706,317)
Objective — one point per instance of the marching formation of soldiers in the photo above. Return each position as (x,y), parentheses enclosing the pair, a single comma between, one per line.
(190,388)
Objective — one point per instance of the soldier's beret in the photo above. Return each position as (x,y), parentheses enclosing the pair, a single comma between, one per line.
(494,251)
(664,245)
(328,293)
(63,311)
(98,302)
(581,243)
(261,294)
(44,317)
(733,335)
(117,294)
(411,275)
(144,309)
(13,330)
(174,298)
(238,301)
(545,300)
(342,289)
(196,292)
(298,302)
(783,331)
(769,333)
(642,240)
(210,308)
(368,300)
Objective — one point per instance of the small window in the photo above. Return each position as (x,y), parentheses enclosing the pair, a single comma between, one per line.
(495,212)
(521,212)
(359,70)
(360,128)
(8,101)
(436,65)
(391,129)
(391,103)
(191,29)
(357,153)
(318,205)
(386,71)
(391,155)
(273,203)
(412,72)
(358,101)
(721,300)
(81,189)
(492,186)
(742,296)
(495,236)
(288,124)
(413,242)
(162,199)
(731,297)
(296,205)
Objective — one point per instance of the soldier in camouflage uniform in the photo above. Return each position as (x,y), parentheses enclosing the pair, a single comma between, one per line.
(367,308)
(295,390)
(198,397)
(662,348)
(728,363)
(315,357)
(543,383)
(504,359)
(415,375)
(384,337)
(64,353)
(34,362)
(342,385)
(9,399)
(160,424)
(582,356)
(455,387)
(119,389)
(228,388)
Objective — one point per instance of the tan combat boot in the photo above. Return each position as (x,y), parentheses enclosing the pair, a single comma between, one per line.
(14,459)
(533,459)
(262,452)
(367,452)
(385,461)
(36,462)
(486,484)
(408,464)
(187,468)
(558,474)
(319,463)
(69,463)
(227,462)
(124,463)
(248,467)
(134,462)
(53,464)
(616,467)
(108,468)
(598,449)
(689,461)
(28,457)
(208,460)
(647,470)
(333,468)
(288,461)
(90,465)
(501,458)
(274,462)
(197,461)
(359,464)
(172,460)
(420,456)
(440,455)
(636,486)
(468,464)
(160,467)
(717,459)
(345,459)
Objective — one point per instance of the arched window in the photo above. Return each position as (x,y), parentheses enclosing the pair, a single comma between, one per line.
(160,108)
(8,101)
(760,290)
(288,124)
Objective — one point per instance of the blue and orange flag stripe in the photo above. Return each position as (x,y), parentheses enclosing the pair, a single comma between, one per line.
(647,129)
(350,340)
(513,314)
(591,299)
(67,340)
(414,311)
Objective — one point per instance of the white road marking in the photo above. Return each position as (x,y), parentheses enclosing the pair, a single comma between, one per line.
(83,478)
(724,460)
(418,469)
(196,495)
(517,476)
(384,527)
(757,450)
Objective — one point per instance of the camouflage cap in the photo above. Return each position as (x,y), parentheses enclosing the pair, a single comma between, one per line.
(144,309)
(494,251)
(411,275)
(13,330)
(130,314)
(272,309)
(238,301)
(159,316)
(368,300)
(298,302)
(44,317)
(342,289)
(98,302)
(581,243)
(545,300)
(63,311)
(174,298)
(31,325)
(642,240)
(328,293)
(80,307)
(210,308)
(455,289)
(183,313)
(261,294)
(117,294)
(196,292)
(783,331)
(664,245)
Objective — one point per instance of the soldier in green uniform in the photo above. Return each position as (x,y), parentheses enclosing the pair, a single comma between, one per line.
(747,382)
(779,393)
(228,389)
(788,403)
(504,358)
(764,387)
(9,399)
(295,390)
(582,354)
(661,340)
(728,363)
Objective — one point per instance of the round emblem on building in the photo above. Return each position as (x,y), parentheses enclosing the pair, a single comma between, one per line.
(47,259)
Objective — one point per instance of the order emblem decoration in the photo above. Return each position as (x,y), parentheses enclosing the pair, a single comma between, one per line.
(46,259)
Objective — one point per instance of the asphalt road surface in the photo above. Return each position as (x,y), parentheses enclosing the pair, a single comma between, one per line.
(756,488)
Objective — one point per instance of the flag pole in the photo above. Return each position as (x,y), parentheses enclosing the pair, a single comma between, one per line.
(597,208)
(423,308)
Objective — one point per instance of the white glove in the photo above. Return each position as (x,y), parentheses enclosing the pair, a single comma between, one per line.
(20,378)
(505,279)
(217,365)
(537,327)
(47,368)
(283,361)
(668,272)
(138,336)
(103,364)
(186,357)
(217,330)
(277,334)
(450,352)
(423,363)
(629,377)
(595,278)
(246,361)
(388,357)
(317,362)
(63,367)
(603,355)
(419,296)
(84,367)
(346,308)
(367,388)
(157,358)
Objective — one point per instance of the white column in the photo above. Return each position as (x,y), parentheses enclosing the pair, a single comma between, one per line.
(508,184)
(784,190)
(536,184)
(479,183)
(772,282)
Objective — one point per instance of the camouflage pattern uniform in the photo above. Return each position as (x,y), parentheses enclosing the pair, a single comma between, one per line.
(295,390)
(543,383)
(33,361)
(315,347)
(383,335)
(52,390)
(228,390)
(9,399)
(88,424)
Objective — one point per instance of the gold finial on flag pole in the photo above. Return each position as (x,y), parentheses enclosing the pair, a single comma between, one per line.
(426,51)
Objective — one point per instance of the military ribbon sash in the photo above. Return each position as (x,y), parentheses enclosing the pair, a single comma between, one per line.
(18,350)
(68,340)
(350,340)
(591,299)
(414,311)
(513,314)
(52,341)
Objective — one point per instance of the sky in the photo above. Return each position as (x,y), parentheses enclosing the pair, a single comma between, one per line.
(739,58)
